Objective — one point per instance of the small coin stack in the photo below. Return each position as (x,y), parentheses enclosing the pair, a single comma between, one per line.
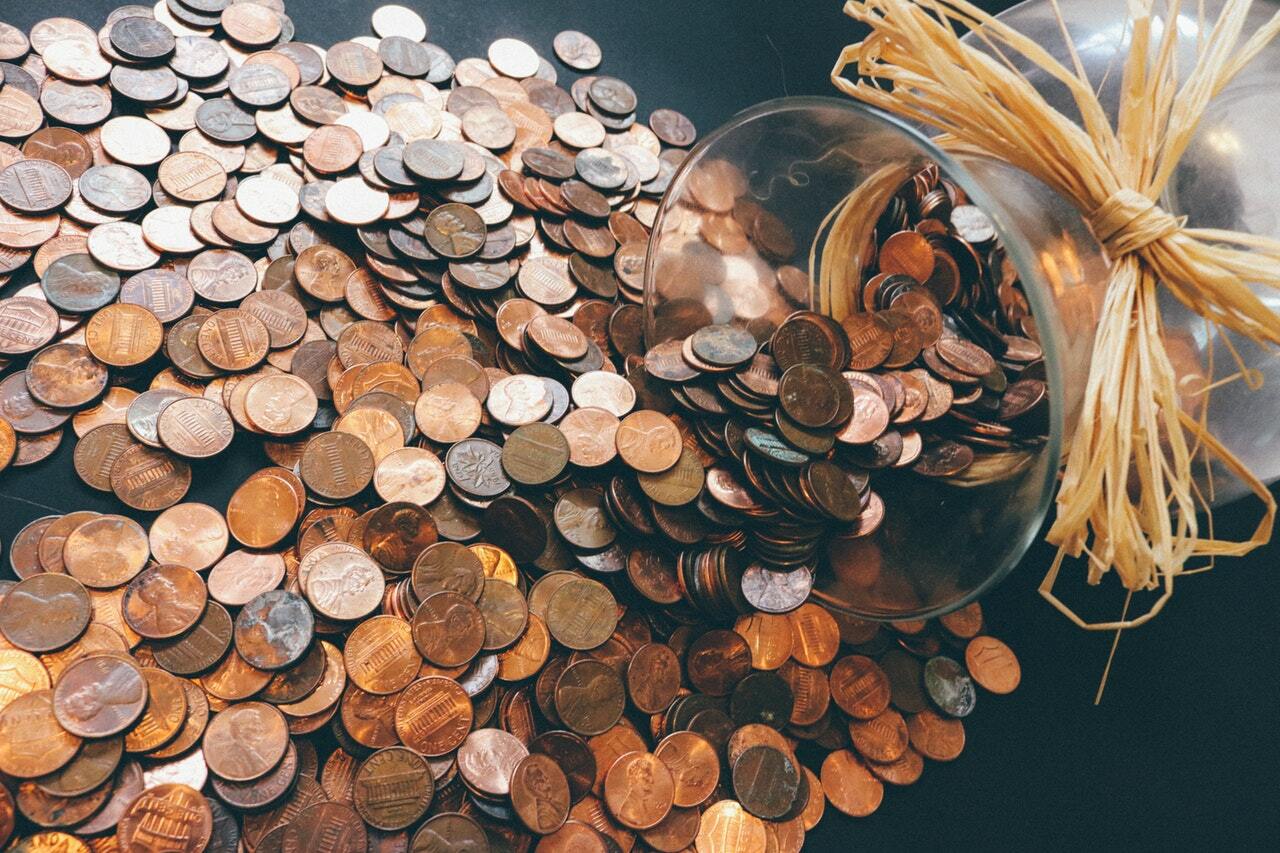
(504,577)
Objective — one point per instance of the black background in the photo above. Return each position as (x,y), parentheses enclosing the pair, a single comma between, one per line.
(1183,750)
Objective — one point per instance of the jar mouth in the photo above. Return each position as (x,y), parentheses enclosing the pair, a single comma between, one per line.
(1021,254)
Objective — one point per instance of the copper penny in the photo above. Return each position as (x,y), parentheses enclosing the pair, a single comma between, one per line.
(860,687)
(487,759)
(32,742)
(195,428)
(380,655)
(393,788)
(849,786)
(44,612)
(233,340)
(694,767)
(993,664)
(123,335)
(149,479)
(433,716)
(540,793)
(173,815)
(448,629)
(245,741)
(66,376)
(99,696)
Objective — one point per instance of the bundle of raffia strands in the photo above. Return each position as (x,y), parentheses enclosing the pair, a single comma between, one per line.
(1127,498)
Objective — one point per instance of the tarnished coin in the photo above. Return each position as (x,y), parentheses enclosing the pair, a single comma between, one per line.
(274,630)
(577,50)
(949,686)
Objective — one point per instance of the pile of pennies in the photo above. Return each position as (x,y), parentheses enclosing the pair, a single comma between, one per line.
(504,580)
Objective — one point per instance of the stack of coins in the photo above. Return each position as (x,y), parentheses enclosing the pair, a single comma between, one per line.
(503,575)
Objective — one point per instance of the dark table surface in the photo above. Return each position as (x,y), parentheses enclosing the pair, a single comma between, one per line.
(1183,750)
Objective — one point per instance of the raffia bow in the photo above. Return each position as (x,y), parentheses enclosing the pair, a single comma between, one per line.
(1127,499)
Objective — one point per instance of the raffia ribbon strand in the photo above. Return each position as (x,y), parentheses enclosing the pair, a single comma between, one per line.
(1127,499)
(1129,221)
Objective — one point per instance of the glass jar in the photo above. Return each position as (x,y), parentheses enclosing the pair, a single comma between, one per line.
(943,541)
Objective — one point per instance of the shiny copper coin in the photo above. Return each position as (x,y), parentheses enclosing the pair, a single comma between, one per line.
(487,759)
(727,826)
(433,715)
(849,786)
(233,340)
(448,629)
(993,664)
(180,812)
(195,427)
(123,335)
(694,767)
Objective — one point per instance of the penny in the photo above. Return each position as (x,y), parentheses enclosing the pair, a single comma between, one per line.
(241,576)
(949,686)
(34,743)
(717,660)
(164,601)
(487,758)
(582,614)
(882,739)
(577,50)
(672,127)
(65,375)
(992,664)
(433,716)
(245,741)
(447,566)
(106,551)
(195,428)
(34,186)
(393,788)
(860,687)
(849,786)
(380,655)
(589,697)
(727,826)
(274,630)
(648,442)
(123,335)
(148,479)
(263,791)
(448,629)
(44,612)
(454,231)
(935,736)
(343,584)
(693,764)
(182,812)
(332,148)
(337,465)
(99,696)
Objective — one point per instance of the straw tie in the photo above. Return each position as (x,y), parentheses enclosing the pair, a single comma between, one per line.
(1128,221)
